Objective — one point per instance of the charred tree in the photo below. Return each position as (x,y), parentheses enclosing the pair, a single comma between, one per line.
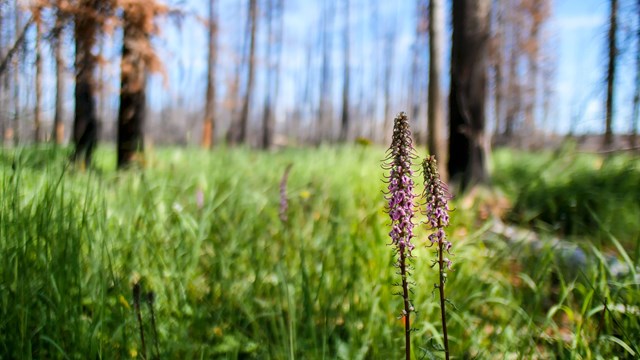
(389,42)
(16,76)
(37,120)
(467,145)
(267,114)
(234,93)
(436,67)
(497,63)
(418,55)
(3,84)
(243,122)
(89,16)
(636,98)
(208,130)
(58,53)
(324,116)
(344,119)
(131,114)
(611,73)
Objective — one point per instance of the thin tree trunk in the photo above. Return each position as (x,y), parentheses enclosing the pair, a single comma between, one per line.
(498,65)
(58,119)
(276,81)
(533,54)
(37,120)
(208,131)
(3,87)
(344,123)
(467,144)
(16,78)
(267,126)
(371,112)
(324,118)
(514,92)
(244,114)
(435,105)
(611,74)
(636,99)
(389,41)
(415,76)
(132,110)
(307,102)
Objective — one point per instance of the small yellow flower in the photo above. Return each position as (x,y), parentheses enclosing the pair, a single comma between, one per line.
(124,302)
(304,194)
(217,331)
(133,353)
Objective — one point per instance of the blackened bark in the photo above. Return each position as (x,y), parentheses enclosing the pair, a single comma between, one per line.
(37,120)
(636,97)
(58,119)
(611,74)
(467,154)
(435,105)
(19,44)
(132,92)
(85,124)
(244,114)
(208,131)
(344,122)
(267,113)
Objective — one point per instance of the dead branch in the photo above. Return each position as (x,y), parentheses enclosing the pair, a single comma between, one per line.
(15,46)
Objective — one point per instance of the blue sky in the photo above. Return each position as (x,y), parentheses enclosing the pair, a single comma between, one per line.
(578,26)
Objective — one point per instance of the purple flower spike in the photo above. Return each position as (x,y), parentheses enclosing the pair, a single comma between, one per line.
(401,208)
(400,195)
(436,198)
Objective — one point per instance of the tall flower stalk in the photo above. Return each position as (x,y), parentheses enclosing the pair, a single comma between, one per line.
(436,196)
(401,208)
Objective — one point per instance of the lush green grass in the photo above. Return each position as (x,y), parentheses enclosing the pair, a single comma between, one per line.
(231,281)
(574,194)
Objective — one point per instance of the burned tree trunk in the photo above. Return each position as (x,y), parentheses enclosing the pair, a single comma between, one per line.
(16,76)
(133,77)
(37,120)
(85,124)
(611,74)
(208,131)
(267,113)
(325,108)
(243,122)
(344,122)
(636,98)
(467,144)
(435,110)
(58,119)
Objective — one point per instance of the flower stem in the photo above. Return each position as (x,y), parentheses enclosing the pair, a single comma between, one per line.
(443,313)
(407,305)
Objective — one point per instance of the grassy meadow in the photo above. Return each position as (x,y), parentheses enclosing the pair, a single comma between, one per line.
(220,276)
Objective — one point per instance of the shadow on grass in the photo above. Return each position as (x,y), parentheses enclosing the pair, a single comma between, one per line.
(573,194)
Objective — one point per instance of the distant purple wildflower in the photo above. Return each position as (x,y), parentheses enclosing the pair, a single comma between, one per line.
(284,202)
(401,209)
(199,198)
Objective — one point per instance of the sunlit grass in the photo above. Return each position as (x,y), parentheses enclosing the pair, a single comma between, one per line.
(232,281)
